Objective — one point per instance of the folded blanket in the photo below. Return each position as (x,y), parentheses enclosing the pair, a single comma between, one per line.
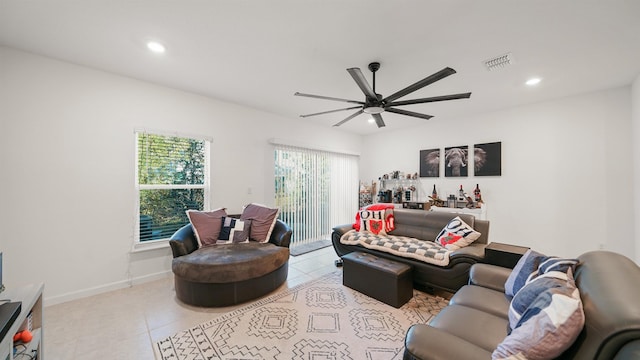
(403,246)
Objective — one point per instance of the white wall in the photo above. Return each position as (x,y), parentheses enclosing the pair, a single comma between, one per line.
(635,110)
(67,168)
(566,177)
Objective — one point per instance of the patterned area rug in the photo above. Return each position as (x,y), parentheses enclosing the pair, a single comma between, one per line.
(320,319)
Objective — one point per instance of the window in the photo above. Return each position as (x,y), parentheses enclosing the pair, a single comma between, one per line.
(172,176)
(315,191)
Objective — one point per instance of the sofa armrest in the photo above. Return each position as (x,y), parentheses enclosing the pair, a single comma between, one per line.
(342,229)
(281,234)
(474,250)
(482,226)
(183,241)
(490,276)
(424,342)
(630,350)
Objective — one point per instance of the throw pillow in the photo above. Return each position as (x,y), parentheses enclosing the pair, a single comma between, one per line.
(532,290)
(263,219)
(457,234)
(234,230)
(372,221)
(526,268)
(558,265)
(206,225)
(550,323)
(388,215)
(389,220)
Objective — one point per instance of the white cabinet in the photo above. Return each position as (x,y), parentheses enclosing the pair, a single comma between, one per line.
(30,316)
(480,213)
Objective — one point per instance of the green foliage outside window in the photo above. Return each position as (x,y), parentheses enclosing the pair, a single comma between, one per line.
(170,160)
(168,169)
(162,212)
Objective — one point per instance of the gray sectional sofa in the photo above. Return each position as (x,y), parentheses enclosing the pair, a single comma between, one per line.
(425,225)
(476,320)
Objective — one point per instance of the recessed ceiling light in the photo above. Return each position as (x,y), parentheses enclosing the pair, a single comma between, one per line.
(156,47)
(533,81)
(371,120)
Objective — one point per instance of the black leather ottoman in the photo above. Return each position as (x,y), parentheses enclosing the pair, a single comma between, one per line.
(382,279)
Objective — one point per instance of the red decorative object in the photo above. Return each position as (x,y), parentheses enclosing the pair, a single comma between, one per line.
(449,239)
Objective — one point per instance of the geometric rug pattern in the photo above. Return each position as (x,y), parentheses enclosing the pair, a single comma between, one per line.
(317,320)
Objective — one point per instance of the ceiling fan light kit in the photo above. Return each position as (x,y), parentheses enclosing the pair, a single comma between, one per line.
(374,104)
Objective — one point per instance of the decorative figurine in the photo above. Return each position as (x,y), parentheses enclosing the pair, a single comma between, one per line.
(470,203)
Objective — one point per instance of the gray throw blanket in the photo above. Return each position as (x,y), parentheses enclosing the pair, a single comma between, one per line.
(421,250)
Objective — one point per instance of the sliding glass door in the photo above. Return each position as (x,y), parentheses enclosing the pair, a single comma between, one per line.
(315,191)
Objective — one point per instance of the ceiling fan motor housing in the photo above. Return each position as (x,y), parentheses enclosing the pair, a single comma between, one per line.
(373,109)
(373,106)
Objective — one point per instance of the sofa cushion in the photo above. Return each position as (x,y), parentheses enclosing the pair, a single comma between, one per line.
(548,317)
(493,302)
(426,342)
(475,326)
(457,234)
(424,225)
(228,263)
(234,230)
(206,225)
(263,219)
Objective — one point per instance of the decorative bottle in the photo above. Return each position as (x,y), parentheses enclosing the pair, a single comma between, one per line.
(461,193)
(434,193)
(477,194)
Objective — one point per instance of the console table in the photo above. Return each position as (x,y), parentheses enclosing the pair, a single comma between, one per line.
(31,298)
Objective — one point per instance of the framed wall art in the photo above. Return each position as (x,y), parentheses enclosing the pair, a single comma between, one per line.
(487,159)
(456,161)
(430,163)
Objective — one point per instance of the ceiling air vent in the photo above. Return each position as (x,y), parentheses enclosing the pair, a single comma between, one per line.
(499,62)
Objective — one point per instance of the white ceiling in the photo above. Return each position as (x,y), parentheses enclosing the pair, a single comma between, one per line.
(258,53)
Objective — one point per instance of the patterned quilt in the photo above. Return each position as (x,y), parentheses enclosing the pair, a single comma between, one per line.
(426,251)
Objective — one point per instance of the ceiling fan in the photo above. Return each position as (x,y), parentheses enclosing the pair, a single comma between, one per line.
(374,104)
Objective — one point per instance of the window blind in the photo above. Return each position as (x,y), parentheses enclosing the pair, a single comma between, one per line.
(315,191)
(172,177)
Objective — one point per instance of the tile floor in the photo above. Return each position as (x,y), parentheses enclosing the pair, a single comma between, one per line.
(124,324)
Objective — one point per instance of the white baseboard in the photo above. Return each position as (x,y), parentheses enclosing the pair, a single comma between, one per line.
(53,300)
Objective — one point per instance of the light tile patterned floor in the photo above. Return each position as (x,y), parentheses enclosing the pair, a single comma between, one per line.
(124,324)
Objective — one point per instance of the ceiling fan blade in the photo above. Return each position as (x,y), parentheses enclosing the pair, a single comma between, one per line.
(431,99)
(331,111)
(349,118)
(356,74)
(408,113)
(378,119)
(329,98)
(420,84)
